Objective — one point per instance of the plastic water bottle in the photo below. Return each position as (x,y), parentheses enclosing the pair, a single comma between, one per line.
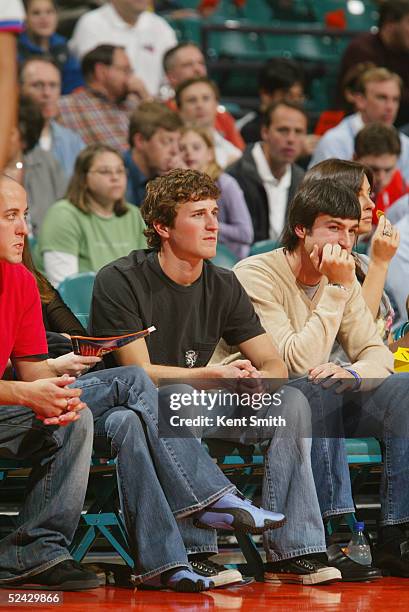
(358,548)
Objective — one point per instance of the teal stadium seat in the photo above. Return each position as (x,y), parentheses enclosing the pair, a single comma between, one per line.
(224,257)
(263,246)
(76,291)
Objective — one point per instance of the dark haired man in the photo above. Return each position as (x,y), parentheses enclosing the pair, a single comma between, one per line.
(378,147)
(388,47)
(194,304)
(99,112)
(267,172)
(308,296)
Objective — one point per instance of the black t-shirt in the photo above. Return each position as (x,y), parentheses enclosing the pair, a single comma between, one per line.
(133,293)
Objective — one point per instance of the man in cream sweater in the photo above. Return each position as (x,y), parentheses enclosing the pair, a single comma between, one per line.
(307,296)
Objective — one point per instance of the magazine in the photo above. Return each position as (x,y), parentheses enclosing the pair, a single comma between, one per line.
(96,347)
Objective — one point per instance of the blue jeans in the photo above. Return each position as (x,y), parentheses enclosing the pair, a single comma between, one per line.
(382,413)
(159,479)
(55,492)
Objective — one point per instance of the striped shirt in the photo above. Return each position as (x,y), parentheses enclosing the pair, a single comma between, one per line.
(11,16)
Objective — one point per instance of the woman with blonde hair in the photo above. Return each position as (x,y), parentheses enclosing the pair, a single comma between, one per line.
(93,225)
(235,225)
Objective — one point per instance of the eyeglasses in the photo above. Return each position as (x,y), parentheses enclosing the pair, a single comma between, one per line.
(125,69)
(108,171)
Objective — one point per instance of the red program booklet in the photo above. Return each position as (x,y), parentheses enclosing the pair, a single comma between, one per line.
(96,347)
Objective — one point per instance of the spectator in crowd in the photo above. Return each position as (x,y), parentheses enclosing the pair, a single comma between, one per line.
(40,38)
(387,48)
(197,101)
(11,23)
(40,80)
(378,147)
(207,303)
(186,61)
(35,555)
(235,226)
(93,225)
(99,112)
(308,296)
(279,79)
(378,101)
(39,172)
(267,172)
(144,35)
(154,138)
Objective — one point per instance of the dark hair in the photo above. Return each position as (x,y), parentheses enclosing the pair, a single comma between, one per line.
(185,84)
(279,73)
(102,54)
(349,173)
(77,190)
(149,117)
(165,193)
(391,11)
(45,58)
(170,53)
(377,139)
(27,4)
(46,290)
(319,197)
(30,122)
(266,117)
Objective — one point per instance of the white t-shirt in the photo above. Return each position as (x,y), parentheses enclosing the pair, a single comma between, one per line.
(145,42)
(276,190)
(11,16)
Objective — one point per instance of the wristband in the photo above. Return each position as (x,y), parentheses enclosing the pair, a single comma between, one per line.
(357,377)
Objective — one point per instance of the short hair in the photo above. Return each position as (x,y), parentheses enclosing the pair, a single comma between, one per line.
(30,122)
(377,139)
(27,4)
(185,84)
(45,58)
(319,197)
(149,117)
(377,75)
(349,173)
(102,54)
(391,11)
(77,190)
(266,116)
(169,56)
(278,74)
(166,193)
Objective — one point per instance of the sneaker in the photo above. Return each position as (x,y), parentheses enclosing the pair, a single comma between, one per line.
(351,571)
(305,570)
(393,558)
(180,579)
(219,574)
(67,575)
(234,512)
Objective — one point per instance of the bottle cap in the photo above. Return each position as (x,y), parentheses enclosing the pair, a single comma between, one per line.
(359,526)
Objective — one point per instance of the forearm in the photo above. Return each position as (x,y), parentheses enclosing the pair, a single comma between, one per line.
(274,368)
(373,285)
(59,265)
(14,393)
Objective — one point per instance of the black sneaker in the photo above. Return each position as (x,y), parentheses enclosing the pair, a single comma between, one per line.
(67,575)
(351,571)
(393,558)
(306,570)
(219,574)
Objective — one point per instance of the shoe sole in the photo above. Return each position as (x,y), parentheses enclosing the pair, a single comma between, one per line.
(238,525)
(183,586)
(368,579)
(323,577)
(65,586)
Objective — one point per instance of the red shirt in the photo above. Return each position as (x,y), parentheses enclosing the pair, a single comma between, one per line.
(22,331)
(395,189)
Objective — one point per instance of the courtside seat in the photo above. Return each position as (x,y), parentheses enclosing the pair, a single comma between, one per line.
(76,291)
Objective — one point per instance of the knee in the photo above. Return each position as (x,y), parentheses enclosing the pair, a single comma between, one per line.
(296,410)
(123,425)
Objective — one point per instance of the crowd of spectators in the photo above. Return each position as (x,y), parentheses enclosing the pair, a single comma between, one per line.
(133,169)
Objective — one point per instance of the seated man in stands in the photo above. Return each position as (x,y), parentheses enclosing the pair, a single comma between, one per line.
(41,80)
(378,100)
(99,112)
(378,146)
(267,172)
(197,101)
(186,61)
(154,136)
(308,296)
(193,304)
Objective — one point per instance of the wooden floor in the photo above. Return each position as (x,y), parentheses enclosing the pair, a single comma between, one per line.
(387,594)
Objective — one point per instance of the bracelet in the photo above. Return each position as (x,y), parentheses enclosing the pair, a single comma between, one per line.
(358,378)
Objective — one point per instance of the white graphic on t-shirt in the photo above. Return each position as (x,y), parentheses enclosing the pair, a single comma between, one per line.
(191,358)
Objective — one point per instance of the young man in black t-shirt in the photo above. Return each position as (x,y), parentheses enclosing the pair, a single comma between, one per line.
(193,304)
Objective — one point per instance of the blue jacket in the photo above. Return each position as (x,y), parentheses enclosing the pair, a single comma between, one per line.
(136,186)
(69,66)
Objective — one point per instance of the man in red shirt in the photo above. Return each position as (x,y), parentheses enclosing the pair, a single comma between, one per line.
(36,554)
(186,61)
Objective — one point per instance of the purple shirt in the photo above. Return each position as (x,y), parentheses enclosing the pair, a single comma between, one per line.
(235,225)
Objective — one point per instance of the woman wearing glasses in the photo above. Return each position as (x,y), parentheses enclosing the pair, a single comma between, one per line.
(93,225)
